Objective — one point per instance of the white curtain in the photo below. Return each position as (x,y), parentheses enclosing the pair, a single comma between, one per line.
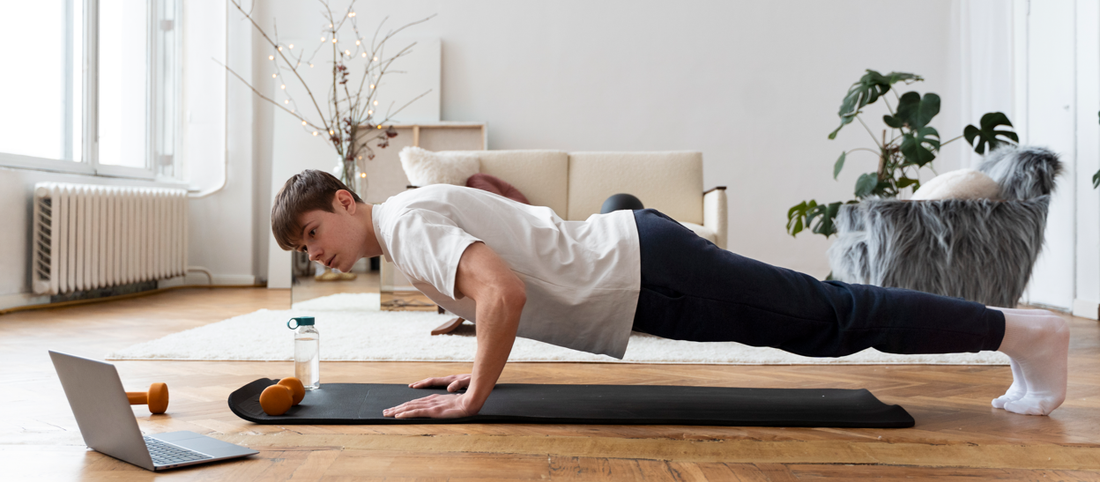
(986,71)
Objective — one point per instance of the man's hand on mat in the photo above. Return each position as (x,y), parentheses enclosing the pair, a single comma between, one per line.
(453,383)
(432,406)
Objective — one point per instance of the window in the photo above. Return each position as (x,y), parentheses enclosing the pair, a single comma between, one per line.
(99,95)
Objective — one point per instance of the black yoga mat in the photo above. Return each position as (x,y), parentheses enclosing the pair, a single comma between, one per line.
(354,403)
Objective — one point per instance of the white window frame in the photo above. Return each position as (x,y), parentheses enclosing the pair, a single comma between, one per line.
(89,164)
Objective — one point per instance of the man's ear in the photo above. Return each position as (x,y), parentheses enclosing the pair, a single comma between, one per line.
(344,200)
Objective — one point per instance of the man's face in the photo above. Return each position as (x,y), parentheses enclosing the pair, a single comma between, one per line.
(332,239)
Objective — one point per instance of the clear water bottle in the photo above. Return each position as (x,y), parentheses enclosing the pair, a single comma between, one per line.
(307,352)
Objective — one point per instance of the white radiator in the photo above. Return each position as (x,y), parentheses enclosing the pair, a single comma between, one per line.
(88,237)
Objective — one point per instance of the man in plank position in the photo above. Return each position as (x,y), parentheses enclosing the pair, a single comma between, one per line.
(519,270)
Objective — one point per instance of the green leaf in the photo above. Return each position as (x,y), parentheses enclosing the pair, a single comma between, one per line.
(866,184)
(892,121)
(795,216)
(839,165)
(825,216)
(881,189)
(865,92)
(988,134)
(1096,179)
(819,218)
(906,182)
(914,111)
(844,120)
(919,147)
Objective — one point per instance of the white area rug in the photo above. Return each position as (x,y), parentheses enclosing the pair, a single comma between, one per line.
(354,329)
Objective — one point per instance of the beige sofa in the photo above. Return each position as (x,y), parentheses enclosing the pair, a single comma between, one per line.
(575,184)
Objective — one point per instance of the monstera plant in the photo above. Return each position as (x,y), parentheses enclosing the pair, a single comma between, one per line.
(908,144)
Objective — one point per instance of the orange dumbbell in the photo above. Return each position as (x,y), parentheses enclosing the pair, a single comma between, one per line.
(156,398)
(278,398)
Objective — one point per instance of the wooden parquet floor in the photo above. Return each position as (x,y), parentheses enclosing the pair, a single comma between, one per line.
(958,436)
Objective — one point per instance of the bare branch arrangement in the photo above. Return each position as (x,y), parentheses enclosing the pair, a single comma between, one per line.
(350,116)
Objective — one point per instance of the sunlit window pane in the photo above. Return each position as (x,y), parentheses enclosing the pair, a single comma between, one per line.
(41,85)
(123,72)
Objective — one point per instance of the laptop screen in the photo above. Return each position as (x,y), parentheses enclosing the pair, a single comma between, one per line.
(101,408)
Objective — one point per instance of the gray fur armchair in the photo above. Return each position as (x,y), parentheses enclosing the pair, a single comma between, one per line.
(980,250)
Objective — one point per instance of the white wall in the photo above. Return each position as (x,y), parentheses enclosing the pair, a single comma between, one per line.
(222,237)
(1087,293)
(755,86)
(1057,50)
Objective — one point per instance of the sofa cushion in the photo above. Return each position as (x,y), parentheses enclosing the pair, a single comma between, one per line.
(497,186)
(594,176)
(959,184)
(424,167)
(540,175)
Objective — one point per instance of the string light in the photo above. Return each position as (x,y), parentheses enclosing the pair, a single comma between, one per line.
(322,39)
(333,39)
(356,42)
(280,48)
(372,86)
(303,122)
(369,112)
(362,174)
(379,125)
(351,14)
(364,54)
(292,46)
(311,66)
(347,52)
(314,132)
(270,57)
(376,102)
(330,25)
(283,86)
(286,101)
(331,132)
(376,59)
(273,75)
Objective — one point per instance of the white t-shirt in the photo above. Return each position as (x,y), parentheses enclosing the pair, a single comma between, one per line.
(582,277)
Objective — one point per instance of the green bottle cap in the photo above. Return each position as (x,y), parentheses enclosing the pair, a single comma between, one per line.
(300,321)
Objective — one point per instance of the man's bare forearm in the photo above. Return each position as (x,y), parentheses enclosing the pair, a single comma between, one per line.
(497,323)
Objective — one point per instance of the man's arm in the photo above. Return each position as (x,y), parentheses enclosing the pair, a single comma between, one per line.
(500,296)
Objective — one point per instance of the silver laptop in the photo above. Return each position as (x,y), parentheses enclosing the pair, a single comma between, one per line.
(108,424)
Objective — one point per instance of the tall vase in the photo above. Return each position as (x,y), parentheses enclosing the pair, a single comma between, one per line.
(355,178)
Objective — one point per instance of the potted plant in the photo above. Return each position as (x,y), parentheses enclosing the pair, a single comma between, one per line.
(908,144)
(347,116)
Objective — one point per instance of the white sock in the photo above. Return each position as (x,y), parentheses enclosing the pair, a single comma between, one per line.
(1016,391)
(1038,343)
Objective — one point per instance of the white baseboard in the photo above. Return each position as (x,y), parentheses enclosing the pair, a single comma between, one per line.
(198,278)
(1086,309)
(21,299)
(195,278)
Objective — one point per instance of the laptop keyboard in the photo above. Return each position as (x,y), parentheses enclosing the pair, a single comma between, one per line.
(168,454)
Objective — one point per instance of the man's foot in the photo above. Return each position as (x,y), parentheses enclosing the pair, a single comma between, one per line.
(1038,344)
(1016,391)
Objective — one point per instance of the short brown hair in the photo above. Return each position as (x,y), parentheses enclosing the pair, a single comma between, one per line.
(309,190)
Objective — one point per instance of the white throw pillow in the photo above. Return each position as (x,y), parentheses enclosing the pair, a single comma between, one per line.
(426,167)
(960,184)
